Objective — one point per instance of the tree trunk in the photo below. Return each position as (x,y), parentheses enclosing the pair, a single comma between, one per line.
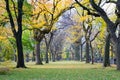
(15,57)
(111,27)
(92,53)
(20,61)
(47,48)
(118,55)
(47,60)
(37,50)
(50,57)
(27,57)
(81,47)
(112,52)
(107,52)
(77,53)
(33,56)
(53,56)
(17,33)
(87,52)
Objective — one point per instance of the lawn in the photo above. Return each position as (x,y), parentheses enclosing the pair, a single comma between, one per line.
(63,70)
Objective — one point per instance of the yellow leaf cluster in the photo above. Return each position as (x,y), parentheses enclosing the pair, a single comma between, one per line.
(2,38)
(4,33)
(85,2)
(84,18)
(74,34)
(38,25)
(47,12)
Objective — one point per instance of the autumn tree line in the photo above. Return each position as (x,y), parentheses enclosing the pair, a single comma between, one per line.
(81,30)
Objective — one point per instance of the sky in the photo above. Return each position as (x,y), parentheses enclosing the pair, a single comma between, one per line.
(109,8)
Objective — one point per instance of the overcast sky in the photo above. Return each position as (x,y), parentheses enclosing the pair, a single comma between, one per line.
(109,8)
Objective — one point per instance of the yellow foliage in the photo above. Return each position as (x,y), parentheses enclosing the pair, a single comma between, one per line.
(102,28)
(38,25)
(54,28)
(84,18)
(5,33)
(85,2)
(74,34)
(47,12)
(2,38)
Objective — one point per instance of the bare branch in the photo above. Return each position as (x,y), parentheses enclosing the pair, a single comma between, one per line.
(95,36)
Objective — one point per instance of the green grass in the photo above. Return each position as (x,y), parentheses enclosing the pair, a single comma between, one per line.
(62,71)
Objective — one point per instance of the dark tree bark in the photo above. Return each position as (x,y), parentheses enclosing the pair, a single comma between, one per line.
(53,56)
(81,52)
(112,52)
(15,57)
(52,53)
(33,56)
(48,45)
(117,47)
(38,36)
(107,52)
(87,51)
(47,48)
(38,56)
(20,61)
(17,33)
(77,53)
(92,53)
(47,59)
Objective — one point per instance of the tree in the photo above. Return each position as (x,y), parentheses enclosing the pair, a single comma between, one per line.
(90,12)
(17,32)
(45,15)
(104,41)
(88,27)
(111,26)
(48,39)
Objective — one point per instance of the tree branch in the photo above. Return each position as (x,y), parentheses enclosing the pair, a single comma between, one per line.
(100,11)
(111,2)
(111,26)
(95,36)
(19,18)
(88,10)
(14,8)
(10,17)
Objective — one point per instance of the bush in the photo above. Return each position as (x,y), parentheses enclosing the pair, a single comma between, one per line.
(4,71)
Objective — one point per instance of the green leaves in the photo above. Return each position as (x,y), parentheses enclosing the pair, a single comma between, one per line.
(28,42)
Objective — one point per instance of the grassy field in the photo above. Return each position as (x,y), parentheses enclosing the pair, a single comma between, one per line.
(61,71)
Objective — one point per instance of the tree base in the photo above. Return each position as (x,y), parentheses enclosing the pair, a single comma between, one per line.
(39,63)
(47,62)
(21,66)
